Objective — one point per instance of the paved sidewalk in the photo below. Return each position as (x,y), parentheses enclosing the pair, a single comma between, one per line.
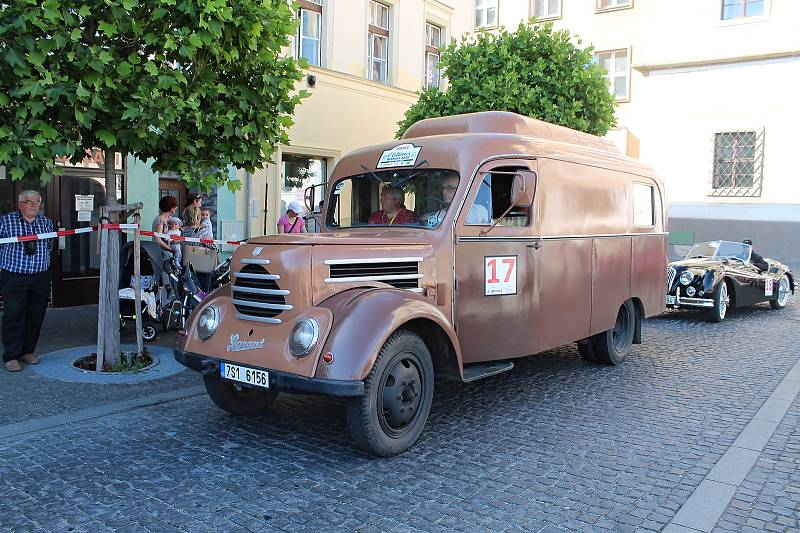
(26,395)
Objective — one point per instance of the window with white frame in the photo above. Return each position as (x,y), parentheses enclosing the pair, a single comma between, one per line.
(738,163)
(485,13)
(433,45)
(309,35)
(613,4)
(643,205)
(734,9)
(617,67)
(378,42)
(546,9)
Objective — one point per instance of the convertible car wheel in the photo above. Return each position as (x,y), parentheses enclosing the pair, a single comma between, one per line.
(784,290)
(721,302)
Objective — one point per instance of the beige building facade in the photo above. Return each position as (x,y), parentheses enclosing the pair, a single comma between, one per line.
(368,60)
(705,93)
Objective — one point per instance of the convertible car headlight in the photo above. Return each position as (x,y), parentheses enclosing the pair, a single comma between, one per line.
(303,337)
(686,278)
(690,291)
(207,322)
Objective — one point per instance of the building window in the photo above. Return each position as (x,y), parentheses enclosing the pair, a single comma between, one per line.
(309,41)
(546,9)
(734,9)
(378,42)
(603,5)
(617,67)
(485,13)
(433,44)
(738,163)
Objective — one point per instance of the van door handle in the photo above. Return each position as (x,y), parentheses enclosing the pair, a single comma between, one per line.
(535,245)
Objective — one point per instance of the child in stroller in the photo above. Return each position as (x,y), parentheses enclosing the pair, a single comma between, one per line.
(169,293)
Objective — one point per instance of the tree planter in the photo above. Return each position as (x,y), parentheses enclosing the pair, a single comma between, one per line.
(128,362)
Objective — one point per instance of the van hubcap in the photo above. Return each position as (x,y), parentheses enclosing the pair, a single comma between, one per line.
(620,333)
(400,395)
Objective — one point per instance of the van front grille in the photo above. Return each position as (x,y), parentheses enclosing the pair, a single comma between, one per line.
(402,274)
(257,295)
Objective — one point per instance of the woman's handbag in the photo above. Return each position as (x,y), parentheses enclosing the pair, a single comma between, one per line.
(203,260)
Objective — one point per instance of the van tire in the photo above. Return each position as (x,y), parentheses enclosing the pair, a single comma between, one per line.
(244,402)
(385,429)
(612,346)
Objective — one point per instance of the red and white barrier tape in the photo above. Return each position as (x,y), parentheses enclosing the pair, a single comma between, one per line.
(125,228)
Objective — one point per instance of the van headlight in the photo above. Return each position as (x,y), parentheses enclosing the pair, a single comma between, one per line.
(686,278)
(207,322)
(303,337)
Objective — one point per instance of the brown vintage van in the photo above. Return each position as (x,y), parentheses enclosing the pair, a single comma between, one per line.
(474,240)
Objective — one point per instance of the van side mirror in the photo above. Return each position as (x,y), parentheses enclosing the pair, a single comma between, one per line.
(522,188)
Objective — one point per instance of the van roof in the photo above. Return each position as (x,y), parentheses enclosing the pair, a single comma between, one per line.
(508,123)
(462,141)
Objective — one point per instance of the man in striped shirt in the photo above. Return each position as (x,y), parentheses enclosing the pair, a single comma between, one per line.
(24,280)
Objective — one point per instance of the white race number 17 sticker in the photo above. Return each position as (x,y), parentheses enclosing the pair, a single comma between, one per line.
(500,275)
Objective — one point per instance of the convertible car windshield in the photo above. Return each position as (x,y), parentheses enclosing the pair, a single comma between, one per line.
(720,250)
(411,197)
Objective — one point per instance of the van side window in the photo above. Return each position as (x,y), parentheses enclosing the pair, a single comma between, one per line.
(494,198)
(643,210)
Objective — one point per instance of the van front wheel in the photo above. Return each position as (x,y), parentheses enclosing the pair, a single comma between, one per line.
(242,401)
(612,346)
(398,393)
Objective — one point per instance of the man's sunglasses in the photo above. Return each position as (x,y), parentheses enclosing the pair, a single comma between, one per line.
(29,247)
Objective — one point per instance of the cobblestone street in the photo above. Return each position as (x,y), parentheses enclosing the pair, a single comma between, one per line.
(556,444)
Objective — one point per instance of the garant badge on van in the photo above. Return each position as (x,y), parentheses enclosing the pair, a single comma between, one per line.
(403,155)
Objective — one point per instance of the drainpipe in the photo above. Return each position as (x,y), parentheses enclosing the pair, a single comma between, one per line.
(248,189)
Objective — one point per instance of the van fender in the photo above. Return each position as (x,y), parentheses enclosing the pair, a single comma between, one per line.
(364,318)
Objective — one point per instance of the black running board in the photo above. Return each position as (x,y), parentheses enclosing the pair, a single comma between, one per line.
(478,371)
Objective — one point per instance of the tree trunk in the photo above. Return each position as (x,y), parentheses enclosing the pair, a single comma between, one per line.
(137,273)
(108,349)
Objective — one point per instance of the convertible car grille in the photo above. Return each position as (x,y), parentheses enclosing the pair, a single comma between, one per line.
(257,296)
(402,273)
(670,277)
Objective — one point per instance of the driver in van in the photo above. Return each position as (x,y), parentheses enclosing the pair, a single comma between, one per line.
(478,214)
(394,210)
(755,259)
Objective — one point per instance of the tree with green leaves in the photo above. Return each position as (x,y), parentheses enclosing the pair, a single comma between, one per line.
(194,86)
(533,71)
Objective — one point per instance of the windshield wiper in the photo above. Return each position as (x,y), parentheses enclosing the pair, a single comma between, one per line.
(371,173)
(400,182)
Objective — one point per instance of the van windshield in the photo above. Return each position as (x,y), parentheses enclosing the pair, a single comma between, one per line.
(412,197)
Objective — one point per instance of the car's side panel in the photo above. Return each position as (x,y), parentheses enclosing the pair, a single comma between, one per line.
(363,319)
(748,285)
(611,280)
(649,255)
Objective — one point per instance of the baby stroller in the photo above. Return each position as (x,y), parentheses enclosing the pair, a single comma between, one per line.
(157,291)
(186,294)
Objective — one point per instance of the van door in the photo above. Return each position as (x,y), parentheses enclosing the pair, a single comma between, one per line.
(494,268)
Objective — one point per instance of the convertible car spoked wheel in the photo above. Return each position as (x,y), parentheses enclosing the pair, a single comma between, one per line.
(398,394)
(721,302)
(784,290)
(238,400)
(612,346)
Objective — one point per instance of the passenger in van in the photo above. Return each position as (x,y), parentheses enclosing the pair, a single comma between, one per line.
(478,214)
(394,210)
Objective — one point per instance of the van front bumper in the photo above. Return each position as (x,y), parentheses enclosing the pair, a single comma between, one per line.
(281,381)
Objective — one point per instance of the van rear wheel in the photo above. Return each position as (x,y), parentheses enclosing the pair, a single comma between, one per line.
(612,346)
(243,401)
(398,393)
